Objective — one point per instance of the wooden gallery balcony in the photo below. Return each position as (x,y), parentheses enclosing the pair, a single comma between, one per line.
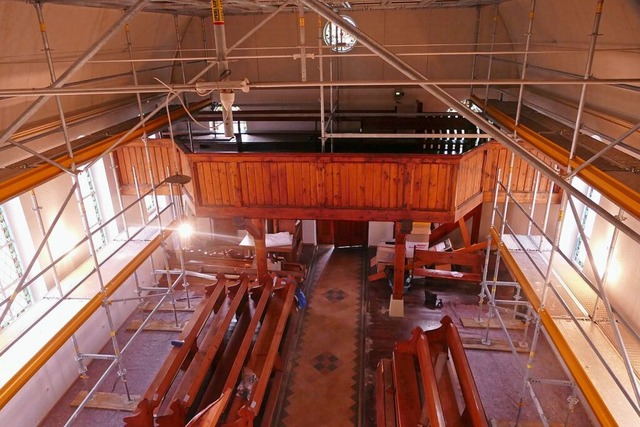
(364,187)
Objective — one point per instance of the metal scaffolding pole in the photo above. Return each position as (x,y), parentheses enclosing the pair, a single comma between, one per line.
(587,75)
(469,114)
(21,283)
(176,23)
(79,63)
(493,41)
(607,266)
(475,49)
(82,368)
(303,47)
(523,74)
(605,300)
(94,254)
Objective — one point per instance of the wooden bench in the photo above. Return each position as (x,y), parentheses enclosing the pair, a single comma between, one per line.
(264,356)
(188,386)
(422,383)
(424,263)
(203,262)
(183,349)
(213,360)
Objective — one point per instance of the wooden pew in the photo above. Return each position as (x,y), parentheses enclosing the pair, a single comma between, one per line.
(426,372)
(264,355)
(186,392)
(178,355)
(228,369)
(212,413)
(424,260)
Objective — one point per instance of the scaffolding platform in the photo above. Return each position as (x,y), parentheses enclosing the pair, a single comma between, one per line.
(586,344)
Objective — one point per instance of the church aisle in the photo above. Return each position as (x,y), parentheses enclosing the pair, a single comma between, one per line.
(324,381)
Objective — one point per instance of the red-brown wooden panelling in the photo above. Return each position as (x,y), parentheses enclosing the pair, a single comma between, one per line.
(334,186)
(163,155)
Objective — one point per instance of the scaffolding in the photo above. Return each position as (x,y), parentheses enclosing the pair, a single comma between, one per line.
(520,253)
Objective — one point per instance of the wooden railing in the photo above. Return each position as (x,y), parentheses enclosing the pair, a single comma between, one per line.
(338,186)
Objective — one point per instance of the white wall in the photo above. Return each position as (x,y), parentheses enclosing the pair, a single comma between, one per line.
(49,383)
(309,232)
(380,231)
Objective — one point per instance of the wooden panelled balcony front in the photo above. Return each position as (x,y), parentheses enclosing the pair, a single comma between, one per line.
(364,187)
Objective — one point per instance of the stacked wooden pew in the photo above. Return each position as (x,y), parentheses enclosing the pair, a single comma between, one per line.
(425,264)
(421,385)
(199,377)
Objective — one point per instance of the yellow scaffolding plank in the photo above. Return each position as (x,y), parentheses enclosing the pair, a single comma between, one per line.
(30,178)
(625,197)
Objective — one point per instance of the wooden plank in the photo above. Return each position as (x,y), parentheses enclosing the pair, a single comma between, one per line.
(464,232)
(322,183)
(361,184)
(344,185)
(473,343)
(282,184)
(267,184)
(384,390)
(313,185)
(386,184)
(156,325)
(444,188)
(432,201)
(446,274)
(167,306)
(328,189)
(213,192)
(376,184)
(252,188)
(223,184)
(210,415)
(274,182)
(258,183)
(408,406)
(110,401)
(472,322)
(297,176)
(422,258)
(235,185)
(369,178)
(305,180)
(291,184)
(394,182)
(244,184)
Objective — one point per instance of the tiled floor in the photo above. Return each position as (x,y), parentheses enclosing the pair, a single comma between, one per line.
(323,386)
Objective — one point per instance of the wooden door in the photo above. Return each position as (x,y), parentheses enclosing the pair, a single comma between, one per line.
(324,232)
(342,233)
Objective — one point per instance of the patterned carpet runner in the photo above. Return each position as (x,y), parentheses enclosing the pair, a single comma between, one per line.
(323,385)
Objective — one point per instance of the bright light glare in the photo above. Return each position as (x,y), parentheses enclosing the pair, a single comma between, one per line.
(185,229)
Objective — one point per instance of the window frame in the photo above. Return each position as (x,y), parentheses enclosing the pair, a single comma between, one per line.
(7,289)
